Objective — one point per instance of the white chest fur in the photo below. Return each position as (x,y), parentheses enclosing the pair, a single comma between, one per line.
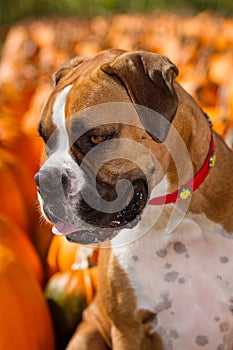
(186,278)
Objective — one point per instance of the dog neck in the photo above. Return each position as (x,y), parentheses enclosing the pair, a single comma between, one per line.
(185,190)
(215,195)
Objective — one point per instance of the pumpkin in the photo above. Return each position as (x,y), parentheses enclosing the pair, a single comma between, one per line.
(220,123)
(14,238)
(23,191)
(230,99)
(18,76)
(25,183)
(15,93)
(12,203)
(25,320)
(30,120)
(41,237)
(67,294)
(220,65)
(19,144)
(63,254)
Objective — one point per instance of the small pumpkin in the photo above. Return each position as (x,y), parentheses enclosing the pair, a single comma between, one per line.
(68,293)
(63,254)
(25,320)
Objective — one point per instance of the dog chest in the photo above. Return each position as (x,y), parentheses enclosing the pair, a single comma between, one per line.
(185,278)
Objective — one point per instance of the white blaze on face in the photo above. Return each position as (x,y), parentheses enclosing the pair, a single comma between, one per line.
(61,157)
(58,118)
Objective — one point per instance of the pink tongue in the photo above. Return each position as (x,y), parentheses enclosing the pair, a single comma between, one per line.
(62,229)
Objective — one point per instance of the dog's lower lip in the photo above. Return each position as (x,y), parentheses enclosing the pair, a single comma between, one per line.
(90,236)
(83,236)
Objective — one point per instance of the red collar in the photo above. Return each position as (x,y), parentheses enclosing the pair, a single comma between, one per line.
(186,190)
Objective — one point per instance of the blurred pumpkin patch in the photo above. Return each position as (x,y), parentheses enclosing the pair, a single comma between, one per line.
(30,258)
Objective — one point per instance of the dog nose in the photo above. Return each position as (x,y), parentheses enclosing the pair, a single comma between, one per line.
(50,181)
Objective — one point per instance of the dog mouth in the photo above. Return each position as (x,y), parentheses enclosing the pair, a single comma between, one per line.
(83,236)
(108,228)
(131,214)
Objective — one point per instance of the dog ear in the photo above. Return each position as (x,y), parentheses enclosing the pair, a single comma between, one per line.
(61,72)
(148,79)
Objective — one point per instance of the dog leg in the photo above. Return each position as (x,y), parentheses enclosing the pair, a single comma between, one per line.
(135,340)
(94,332)
(87,337)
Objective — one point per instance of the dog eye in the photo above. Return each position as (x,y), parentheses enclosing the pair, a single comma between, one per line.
(97,139)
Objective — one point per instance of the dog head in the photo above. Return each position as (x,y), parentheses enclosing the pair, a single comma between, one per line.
(104,126)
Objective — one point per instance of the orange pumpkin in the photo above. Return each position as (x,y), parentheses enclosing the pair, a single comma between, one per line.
(18,76)
(14,96)
(22,199)
(25,183)
(17,142)
(17,156)
(25,319)
(41,237)
(220,123)
(14,238)
(220,65)
(12,202)
(23,186)
(68,293)
(63,254)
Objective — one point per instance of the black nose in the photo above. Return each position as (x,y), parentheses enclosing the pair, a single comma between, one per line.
(51,181)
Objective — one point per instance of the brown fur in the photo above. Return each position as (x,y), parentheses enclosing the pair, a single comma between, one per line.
(113,320)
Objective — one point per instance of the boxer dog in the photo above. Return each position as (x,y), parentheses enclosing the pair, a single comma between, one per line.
(131,167)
